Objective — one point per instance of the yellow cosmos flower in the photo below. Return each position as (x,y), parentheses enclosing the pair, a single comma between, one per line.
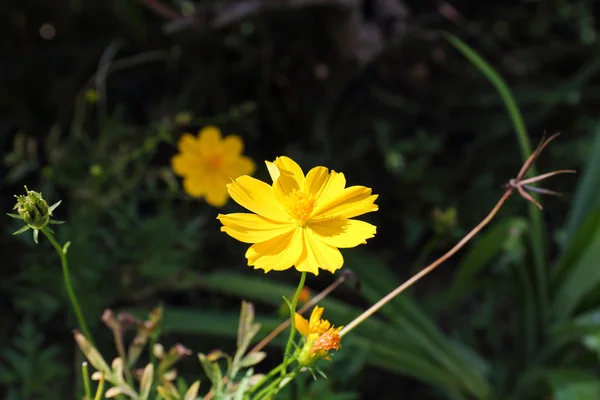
(208,163)
(320,337)
(313,327)
(300,220)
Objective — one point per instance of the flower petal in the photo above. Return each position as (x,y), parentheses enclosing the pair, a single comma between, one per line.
(348,203)
(343,233)
(188,144)
(284,181)
(301,324)
(316,180)
(252,228)
(292,167)
(316,254)
(216,194)
(278,253)
(195,186)
(232,146)
(209,140)
(330,189)
(240,166)
(185,164)
(257,197)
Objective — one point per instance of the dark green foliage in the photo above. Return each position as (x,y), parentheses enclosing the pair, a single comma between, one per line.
(513,316)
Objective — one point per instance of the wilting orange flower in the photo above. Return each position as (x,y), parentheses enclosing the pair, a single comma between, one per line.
(300,220)
(208,163)
(320,337)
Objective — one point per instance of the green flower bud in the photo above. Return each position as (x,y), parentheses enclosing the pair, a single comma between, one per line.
(33,209)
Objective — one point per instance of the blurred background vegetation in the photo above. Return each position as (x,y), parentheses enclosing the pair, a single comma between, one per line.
(95,94)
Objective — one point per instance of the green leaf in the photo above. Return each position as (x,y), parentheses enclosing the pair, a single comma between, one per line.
(252,359)
(15,216)
(573,385)
(584,276)
(146,381)
(192,392)
(587,195)
(580,241)
(538,235)
(480,255)
(376,282)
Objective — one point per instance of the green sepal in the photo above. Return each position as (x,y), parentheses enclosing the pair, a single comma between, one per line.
(23,229)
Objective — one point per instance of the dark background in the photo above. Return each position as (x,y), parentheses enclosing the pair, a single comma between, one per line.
(370,88)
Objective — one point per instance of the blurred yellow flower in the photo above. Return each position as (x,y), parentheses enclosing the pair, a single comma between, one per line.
(208,163)
(300,220)
(320,337)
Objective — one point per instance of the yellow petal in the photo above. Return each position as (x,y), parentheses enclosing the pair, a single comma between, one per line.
(292,167)
(316,180)
(317,255)
(343,233)
(257,197)
(232,146)
(185,164)
(330,190)
(279,253)
(188,144)
(301,324)
(240,166)
(284,181)
(209,140)
(348,203)
(252,228)
(315,317)
(216,195)
(195,186)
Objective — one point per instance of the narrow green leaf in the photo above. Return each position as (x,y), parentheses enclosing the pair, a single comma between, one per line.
(146,381)
(584,275)
(587,195)
(538,231)
(571,385)
(192,392)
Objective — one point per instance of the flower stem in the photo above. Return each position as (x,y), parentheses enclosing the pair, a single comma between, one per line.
(288,346)
(274,387)
(305,307)
(375,307)
(68,285)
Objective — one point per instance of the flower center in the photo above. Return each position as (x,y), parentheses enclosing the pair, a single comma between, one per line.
(301,206)
(214,161)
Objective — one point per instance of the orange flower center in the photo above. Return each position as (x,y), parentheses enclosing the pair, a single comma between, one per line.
(329,340)
(214,161)
(302,206)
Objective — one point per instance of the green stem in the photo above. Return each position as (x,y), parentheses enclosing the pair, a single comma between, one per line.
(68,285)
(288,346)
(271,373)
(271,390)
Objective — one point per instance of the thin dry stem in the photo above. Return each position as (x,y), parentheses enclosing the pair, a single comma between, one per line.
(375,307)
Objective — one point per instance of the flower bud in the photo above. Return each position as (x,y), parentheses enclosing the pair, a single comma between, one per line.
(33,209)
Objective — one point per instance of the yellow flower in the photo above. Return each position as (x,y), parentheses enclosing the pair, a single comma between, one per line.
(300,220)
(320,337)
(208,163)
(313,327)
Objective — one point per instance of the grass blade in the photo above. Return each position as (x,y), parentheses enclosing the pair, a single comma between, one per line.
(538,237)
